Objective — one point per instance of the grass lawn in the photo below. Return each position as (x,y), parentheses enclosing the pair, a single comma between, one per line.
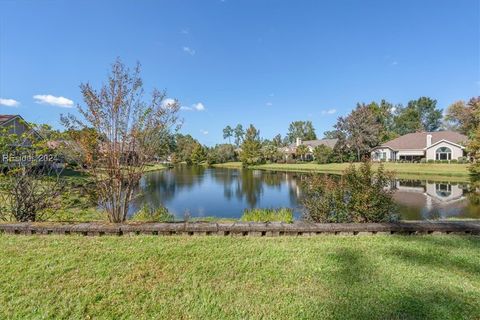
(155,167)
(331,277)
(440,171)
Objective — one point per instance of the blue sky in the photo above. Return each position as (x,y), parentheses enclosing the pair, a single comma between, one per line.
(264,62)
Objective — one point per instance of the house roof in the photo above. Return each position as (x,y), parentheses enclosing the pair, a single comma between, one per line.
(6,117)
(314,143)
(418,140)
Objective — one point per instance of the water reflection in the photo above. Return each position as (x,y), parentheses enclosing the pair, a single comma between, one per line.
(420,199)
(227,192)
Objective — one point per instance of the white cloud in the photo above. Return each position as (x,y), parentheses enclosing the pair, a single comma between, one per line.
(269,104)
(168,102)
(329,111)
(9,102)
(394,63)
(189,50)
(185,31)
(204,132)
(199,106)
(393,109)
(195,107)
(54,101)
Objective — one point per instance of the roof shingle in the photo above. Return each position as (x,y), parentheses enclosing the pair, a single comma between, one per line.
(6,117)
(418,140)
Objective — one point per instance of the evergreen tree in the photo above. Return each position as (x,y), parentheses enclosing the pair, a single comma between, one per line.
(228,133)
(251,147)
(198,154)
(301,129)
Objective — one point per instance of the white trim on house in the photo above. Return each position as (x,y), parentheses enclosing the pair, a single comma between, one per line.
(446,141)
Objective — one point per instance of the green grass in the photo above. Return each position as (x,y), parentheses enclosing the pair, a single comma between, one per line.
(155,167)
(149,214)
(233,165)
(268,215)
(437,171)
(330,277)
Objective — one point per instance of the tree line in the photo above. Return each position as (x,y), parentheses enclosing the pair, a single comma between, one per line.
(368,125)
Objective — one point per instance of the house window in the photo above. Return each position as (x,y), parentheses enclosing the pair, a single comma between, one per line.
(443,153)
(384,155)
(443,190)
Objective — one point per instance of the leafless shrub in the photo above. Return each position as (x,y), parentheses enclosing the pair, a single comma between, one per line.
(30,193)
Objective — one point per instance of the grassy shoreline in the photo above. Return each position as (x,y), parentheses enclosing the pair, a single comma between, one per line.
(441,172)
(394,277)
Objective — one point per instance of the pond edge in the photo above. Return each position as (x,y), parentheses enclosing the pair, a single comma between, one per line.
(257,229)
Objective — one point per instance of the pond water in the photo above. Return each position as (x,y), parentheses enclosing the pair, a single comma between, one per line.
(221,192)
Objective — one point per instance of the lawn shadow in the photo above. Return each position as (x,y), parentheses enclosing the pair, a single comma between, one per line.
(444,260)
(363,290)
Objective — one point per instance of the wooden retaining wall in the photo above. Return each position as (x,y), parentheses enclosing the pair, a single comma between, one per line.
(245,228)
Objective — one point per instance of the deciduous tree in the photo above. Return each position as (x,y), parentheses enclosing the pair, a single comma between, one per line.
(419,115)
(359,131)
(125,127)
(463,117)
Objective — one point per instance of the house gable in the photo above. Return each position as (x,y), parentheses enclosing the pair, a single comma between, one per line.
(17,125)
(445,141)
(456,151)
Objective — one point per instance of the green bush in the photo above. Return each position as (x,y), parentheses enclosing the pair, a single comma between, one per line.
(462,160)
(268,215)
(423,160)
(453,161)
(323,154)
(359,195)
(431,161)
(149,214)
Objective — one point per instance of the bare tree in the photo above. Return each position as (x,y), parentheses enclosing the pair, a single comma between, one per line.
(30,178)
(118,135)
(30,193)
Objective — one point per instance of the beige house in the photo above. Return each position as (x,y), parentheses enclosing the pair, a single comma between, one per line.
(290,151)
(440,145)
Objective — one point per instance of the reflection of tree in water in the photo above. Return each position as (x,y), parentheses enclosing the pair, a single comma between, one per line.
(474,191)
(156,188)
(226,177)
(247,184)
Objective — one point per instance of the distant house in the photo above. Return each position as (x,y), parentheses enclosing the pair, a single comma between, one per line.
(15,124)
(440,145)
(290,151)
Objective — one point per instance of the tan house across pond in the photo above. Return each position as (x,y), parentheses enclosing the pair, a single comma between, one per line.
(290,151)
(440,145)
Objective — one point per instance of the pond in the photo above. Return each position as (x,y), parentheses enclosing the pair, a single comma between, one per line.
(225,193)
